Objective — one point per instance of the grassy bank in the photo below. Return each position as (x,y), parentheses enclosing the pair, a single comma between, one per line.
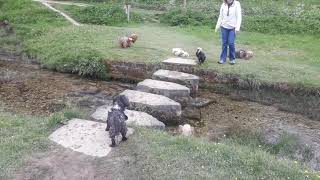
(21,136)
(45,35)
(165,156)
(287,58)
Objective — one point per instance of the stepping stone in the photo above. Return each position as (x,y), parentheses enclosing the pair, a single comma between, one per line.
(180,61)
(171,90)
(189,80)
(135,118)
(85,136)
(164,109)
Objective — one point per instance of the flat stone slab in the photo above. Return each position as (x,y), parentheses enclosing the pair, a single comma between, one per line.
(171,90)
(85,136)
(189,80)
(180,61)
(135,118)
(164,109)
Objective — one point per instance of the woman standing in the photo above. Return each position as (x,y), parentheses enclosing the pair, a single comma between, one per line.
(229,22)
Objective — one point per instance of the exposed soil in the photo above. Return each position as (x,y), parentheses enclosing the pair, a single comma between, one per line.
(226,116)
(27,89)
(64,164)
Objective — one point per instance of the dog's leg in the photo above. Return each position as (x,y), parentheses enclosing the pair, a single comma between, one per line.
(113,142)
(124,133)
(108,127)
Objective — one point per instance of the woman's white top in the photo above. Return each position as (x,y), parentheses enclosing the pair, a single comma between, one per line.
(233,20)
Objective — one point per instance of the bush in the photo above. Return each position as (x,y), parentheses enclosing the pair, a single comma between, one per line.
(103,14)
(296,18)
(262,24)
(91,66)
(281,24)
(87,63)
(177,17)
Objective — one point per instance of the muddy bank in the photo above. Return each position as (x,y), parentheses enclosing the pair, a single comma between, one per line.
(226,117)
(292,98)
(27,89)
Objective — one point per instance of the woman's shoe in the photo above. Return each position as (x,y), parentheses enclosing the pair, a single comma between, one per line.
(221,62)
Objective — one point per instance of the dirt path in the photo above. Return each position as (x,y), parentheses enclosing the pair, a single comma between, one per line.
(67,17)
(65,3)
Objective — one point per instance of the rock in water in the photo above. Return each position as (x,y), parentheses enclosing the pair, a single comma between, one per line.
(160,107)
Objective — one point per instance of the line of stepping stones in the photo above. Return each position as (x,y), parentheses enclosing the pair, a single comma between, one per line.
(154,103)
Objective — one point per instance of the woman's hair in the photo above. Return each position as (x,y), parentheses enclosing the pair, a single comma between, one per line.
(225,1)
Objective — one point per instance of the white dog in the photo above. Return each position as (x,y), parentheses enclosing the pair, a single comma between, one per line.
(179,52)
(186,130)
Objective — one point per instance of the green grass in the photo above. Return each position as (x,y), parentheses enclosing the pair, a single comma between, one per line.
(29,18)
(165,156)
(285,58)
(22,135)
(158,154)
(111,14)
(287,146)
(277,58)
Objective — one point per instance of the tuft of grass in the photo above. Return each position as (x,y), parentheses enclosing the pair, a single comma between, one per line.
(64,116)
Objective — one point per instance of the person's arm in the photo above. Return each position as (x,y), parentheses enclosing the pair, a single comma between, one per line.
(239,16)
(219,19)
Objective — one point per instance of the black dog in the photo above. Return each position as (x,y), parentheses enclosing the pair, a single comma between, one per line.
(116,119)
(200,55)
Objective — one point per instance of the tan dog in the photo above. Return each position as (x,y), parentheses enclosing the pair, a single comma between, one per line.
(186,130)
(244,54)
(134,37)
(125,42)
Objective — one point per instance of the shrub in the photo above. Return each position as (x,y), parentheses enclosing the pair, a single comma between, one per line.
(91,66)
(87,63)
(177,17)
(292,18)
(103,14)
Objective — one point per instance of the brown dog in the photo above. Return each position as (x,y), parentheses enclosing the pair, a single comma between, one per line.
(125,42)
(244,54)
(134,37)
